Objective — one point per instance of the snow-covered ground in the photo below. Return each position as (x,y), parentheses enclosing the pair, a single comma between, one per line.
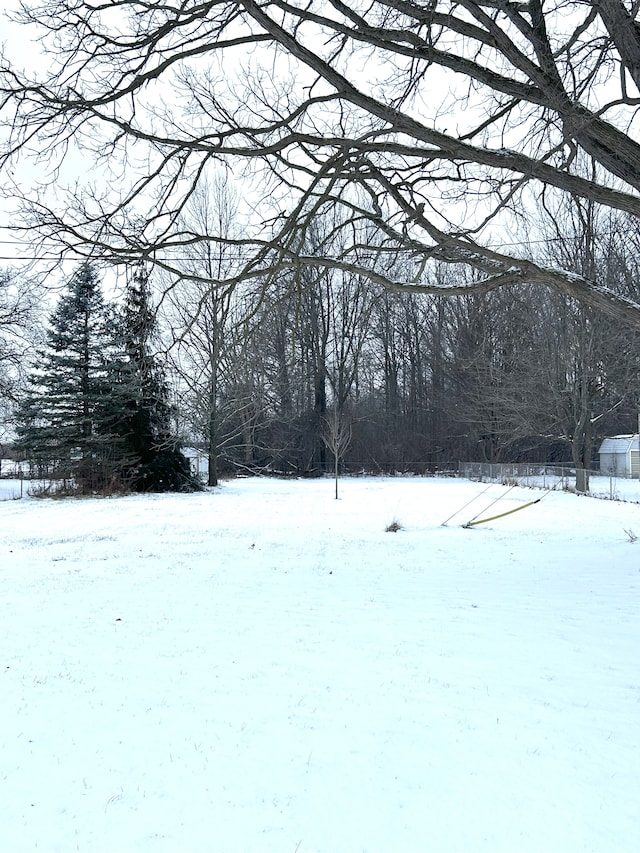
(13,489)
(264,668)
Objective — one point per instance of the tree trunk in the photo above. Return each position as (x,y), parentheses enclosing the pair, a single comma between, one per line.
(212,478)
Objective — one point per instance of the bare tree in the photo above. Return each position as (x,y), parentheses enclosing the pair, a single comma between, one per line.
(596,360)
(337,436)
(19,330)
(539,373)
(198,308)
(354,108)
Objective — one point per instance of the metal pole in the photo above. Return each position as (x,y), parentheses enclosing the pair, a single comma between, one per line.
(502,514)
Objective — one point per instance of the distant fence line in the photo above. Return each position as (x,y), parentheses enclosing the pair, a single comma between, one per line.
(528,474)
(474,470)
(466,470)
(539,475)
(521,472)
(602,484)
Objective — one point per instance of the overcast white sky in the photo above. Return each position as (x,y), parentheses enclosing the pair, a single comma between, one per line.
(19,47)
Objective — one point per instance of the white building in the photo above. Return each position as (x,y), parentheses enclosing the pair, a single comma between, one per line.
(198,462)
(620,456)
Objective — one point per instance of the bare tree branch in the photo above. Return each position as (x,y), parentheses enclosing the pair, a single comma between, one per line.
(425,128)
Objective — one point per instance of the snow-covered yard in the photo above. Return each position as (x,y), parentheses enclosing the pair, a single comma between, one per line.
(12,489)
(263,668)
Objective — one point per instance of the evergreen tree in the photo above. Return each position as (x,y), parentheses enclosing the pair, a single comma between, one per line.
(61,426)
(142,416)
(98,415)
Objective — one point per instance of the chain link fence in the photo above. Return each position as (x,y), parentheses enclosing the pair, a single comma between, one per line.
(599,484)
(15,482)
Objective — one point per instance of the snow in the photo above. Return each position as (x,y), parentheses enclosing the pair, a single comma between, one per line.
(264,668)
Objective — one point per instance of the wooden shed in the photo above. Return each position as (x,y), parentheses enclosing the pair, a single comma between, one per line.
(620,456)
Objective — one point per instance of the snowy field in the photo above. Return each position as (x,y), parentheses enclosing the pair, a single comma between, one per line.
(264,669)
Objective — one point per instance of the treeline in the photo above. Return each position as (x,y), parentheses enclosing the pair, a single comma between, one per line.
(421,382)
(271,377)
(287,374)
